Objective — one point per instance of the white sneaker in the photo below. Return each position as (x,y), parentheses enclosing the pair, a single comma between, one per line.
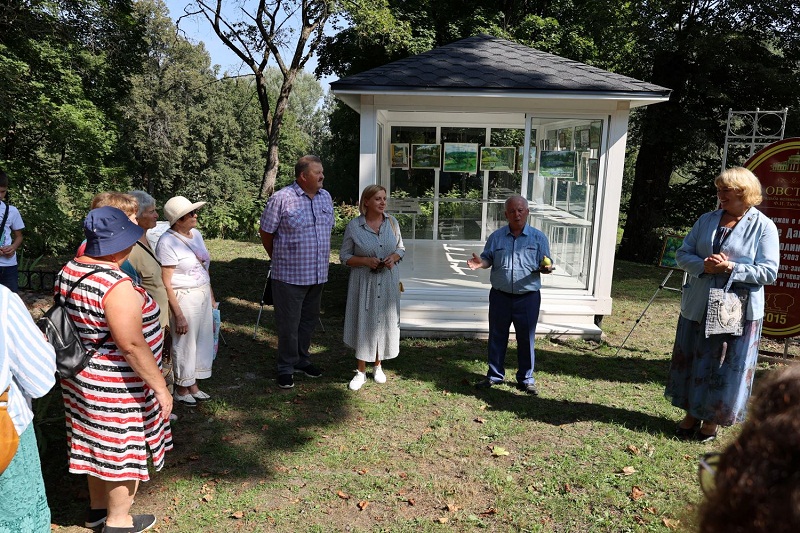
(359,379)
(378,374)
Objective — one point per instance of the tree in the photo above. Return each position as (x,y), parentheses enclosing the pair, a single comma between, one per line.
(64,69)
(714,56)
(261,34)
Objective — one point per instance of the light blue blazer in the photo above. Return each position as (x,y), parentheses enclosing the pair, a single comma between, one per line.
(753,247)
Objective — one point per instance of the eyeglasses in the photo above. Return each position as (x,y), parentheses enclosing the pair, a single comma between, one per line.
(191,213)
(707,470)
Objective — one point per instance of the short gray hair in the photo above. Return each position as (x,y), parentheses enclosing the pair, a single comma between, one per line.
(514,198)
(145,201)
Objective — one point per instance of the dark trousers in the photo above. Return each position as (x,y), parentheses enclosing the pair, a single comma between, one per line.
(296,316)
(9,276)
(522,310)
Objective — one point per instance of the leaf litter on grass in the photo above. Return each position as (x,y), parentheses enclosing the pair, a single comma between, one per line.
(414,450)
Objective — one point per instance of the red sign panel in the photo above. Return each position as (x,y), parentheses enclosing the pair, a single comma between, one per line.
(777,166)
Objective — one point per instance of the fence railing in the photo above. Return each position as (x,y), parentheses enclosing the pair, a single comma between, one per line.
(37,280)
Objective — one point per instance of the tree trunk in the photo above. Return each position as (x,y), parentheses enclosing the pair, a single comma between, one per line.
(662,143)
(270,172)
(273,122)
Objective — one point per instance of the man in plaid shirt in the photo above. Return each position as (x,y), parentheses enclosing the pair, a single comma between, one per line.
(296,232)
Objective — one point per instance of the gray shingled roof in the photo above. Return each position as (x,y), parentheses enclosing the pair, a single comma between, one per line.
(490,64)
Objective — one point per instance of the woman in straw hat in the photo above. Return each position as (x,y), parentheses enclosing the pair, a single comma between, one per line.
(118,407)
(184,269)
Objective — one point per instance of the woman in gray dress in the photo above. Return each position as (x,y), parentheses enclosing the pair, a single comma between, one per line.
(372,248)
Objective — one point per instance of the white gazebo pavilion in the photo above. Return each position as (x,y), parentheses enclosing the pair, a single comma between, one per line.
(452,132)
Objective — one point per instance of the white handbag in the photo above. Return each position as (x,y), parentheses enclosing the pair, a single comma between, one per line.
(726,311)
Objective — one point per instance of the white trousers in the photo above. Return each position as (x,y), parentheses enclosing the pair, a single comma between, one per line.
(193,353)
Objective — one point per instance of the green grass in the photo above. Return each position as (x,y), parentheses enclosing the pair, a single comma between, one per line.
(419,453)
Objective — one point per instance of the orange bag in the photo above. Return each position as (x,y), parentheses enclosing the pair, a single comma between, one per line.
(9,440)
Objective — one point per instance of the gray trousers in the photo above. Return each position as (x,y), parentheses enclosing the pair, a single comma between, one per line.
(296,316)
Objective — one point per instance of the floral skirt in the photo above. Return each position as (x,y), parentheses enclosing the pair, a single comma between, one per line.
(23,503)
(711,378)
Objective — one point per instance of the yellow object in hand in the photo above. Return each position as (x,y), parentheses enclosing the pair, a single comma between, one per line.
(546,262)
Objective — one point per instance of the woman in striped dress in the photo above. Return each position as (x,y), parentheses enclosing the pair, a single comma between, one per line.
(372,247)
(118,407)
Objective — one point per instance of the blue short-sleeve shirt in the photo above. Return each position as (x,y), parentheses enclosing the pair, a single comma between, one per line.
(515,260)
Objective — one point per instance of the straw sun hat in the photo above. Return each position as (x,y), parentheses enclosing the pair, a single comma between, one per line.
(178,206)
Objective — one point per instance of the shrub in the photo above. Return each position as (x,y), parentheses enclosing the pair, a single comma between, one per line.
(343,213)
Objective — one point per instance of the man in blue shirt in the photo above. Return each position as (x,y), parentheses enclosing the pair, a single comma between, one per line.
(516,253)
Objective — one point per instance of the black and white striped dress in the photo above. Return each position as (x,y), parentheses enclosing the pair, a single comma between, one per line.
(113,418)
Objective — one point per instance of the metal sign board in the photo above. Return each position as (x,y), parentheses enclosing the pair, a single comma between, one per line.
(777,166)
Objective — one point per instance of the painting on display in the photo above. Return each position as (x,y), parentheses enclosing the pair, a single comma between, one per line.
(498,158)
(671,245)
(557,164)
(583,166)
(594,171)
(460,157)
(398,155)
(582,138)
(594,134)
(426,155)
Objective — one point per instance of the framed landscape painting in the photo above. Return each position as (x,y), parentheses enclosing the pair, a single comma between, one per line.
(558,164)
(460,157)
(426,155)
(398,155)
(498,158)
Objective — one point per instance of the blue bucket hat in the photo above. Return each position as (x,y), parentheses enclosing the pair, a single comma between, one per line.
(108,231)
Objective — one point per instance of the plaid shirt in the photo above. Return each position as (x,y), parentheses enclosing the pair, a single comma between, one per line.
(302,235)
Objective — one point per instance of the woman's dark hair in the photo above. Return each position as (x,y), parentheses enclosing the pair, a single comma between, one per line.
(3,178)
(757,484)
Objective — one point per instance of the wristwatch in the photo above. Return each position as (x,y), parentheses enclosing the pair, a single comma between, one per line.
(729,268)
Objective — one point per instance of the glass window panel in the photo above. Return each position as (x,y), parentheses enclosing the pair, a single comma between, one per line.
(563,187)
(460,185)
(503,183)
(464,135)
(412,183)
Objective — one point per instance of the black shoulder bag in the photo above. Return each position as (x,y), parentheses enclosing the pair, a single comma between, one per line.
(72,355)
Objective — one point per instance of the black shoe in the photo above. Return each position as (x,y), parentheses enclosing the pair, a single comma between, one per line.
(310,371)
(285,381)
(528,388)
(141,522)
(486,384)
(701,437)
(687,433)
(95,517)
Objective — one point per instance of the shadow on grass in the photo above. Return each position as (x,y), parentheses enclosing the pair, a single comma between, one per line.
(448,374)
(251,425)
(598,367)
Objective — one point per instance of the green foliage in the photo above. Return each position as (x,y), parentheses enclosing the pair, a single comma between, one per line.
(50,226)
(343,214)
(236,218)
(110,96)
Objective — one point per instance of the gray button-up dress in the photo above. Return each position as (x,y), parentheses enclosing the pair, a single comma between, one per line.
(372,320)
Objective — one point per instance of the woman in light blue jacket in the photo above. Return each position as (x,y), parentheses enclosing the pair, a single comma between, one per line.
(711,377)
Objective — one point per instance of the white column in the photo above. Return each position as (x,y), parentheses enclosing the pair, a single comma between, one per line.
(610,185)
(368,149)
